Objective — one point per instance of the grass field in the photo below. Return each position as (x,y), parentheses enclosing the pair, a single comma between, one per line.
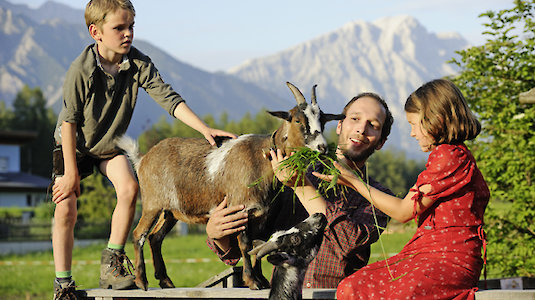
(30,276)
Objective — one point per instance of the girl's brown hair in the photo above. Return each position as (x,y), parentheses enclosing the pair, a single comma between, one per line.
(444,112)
(96,10)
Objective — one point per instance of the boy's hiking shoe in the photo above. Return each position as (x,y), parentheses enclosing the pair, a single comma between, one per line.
(113,273)
(64,290)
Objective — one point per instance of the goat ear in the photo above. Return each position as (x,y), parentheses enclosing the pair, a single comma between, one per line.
(277,259)
(332,117)
(257,243)
(281,115)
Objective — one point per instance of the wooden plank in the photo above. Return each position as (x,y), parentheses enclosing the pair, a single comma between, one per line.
(245,293)
(197,293)
(229,278)
(506,295)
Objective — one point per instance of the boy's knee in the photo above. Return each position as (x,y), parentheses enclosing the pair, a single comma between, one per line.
(65,216)
(128,192)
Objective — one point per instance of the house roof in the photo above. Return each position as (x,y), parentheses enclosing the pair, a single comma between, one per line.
(16,137)
(23,182)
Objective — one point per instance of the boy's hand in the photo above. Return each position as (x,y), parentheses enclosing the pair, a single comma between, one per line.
(211,133)
(64,187)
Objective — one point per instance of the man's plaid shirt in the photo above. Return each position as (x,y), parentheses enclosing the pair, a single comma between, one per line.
(350,231)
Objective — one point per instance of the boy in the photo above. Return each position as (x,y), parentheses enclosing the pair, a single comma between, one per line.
(100,92)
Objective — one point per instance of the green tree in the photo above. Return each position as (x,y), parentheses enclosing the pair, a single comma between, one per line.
(492,76)
(393,170)
(30,113)
(95,207)
(262,123)
(6,116)
(97,199)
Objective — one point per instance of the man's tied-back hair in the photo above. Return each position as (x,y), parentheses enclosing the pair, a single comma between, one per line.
(97,10)
(444,112)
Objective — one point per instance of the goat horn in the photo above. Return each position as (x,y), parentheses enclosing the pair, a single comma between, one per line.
(264,249)
(297,93)
(313,95)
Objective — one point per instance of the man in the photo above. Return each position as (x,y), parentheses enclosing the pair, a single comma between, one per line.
(351,227)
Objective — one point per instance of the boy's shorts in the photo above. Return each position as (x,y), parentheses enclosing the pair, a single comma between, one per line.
(86,164)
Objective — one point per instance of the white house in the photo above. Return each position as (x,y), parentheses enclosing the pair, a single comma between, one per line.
(18,189)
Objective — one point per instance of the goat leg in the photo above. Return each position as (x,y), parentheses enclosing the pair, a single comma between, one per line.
(148,218)
(156,239)
(251,277)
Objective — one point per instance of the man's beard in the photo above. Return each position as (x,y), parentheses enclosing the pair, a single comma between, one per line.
(358,157)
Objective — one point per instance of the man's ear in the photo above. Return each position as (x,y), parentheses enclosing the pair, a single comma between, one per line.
(380,145)
(94,31)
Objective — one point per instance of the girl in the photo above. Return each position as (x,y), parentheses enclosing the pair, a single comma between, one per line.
(443,259)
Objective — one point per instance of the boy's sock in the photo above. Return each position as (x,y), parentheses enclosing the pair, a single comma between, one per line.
(116,247)
(64,276)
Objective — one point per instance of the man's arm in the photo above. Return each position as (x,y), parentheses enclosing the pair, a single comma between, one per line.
(307,194)
(224,223)
(350,229)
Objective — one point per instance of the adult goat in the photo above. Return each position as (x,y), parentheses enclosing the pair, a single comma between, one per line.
(185,178)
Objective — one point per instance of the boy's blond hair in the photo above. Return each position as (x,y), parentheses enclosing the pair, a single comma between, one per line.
(96,10)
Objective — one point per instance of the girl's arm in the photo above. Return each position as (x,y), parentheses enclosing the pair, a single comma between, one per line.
(399,209)
(186,115)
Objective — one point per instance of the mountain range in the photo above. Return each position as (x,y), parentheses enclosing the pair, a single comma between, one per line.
(38,46)
(391,56)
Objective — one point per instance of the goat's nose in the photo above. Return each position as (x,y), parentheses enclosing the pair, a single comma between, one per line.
(322,149)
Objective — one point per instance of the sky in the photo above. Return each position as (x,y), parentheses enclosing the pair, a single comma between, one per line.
(215,35)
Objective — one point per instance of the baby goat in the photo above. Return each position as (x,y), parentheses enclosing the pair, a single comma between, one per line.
(185,178)
(290,252)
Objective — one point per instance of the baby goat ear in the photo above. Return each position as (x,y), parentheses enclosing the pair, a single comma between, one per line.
(281,114)
(257,243)
(280,258)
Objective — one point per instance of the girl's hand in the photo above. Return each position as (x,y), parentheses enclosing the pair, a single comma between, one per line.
(347,176)
(285,175)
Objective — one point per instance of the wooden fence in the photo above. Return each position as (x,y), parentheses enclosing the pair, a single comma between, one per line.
(17,231)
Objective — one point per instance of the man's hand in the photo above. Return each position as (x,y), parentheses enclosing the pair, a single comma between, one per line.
(225,221)
(285,175)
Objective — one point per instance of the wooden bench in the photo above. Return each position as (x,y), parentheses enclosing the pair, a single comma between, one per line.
(197,293)
(228,285)
(245,293)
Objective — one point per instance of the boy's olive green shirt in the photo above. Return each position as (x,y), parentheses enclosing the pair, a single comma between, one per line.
(102,105)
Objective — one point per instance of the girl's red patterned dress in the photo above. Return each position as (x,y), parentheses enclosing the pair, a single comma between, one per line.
(443,258)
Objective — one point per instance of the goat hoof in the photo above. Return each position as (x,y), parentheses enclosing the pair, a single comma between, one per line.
(264,283)
(140,284)
(166,284)
(258,284)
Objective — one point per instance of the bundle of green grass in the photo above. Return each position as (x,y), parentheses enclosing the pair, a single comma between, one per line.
(302,159)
